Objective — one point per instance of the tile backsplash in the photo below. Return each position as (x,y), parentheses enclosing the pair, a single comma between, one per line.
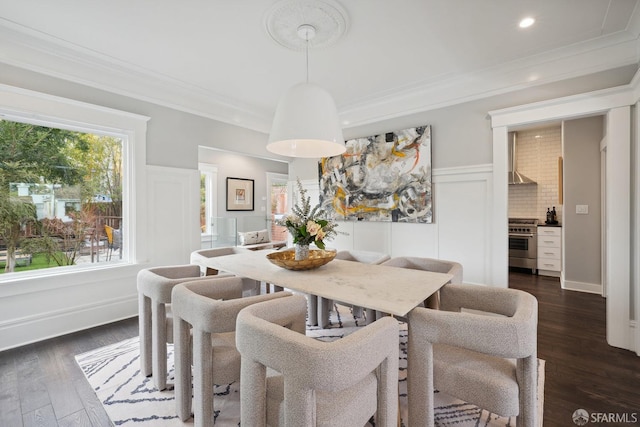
(537,156)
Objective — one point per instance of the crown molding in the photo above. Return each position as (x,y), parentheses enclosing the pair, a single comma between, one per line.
(24,48)
(38,52)
(618,50)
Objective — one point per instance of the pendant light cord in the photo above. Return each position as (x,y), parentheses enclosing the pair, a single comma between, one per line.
(307,54)
(306,32)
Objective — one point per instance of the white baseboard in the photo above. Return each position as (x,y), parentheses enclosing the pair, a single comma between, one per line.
(592,288)
(29,329)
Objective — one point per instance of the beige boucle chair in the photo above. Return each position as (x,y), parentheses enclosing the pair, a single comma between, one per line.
(340,383)
(206,311)
(199,257)
(155,320)
(429,264)
(489,361)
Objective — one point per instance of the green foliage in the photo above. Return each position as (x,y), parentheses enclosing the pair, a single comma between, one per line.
(15,213)
(40,150)
(61,242)
(38,155)
(102,165)
(38,262)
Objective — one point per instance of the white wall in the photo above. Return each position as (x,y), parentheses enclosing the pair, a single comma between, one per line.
(240,166)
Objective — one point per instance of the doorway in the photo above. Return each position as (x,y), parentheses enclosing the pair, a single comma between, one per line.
(277,190)
(620,332)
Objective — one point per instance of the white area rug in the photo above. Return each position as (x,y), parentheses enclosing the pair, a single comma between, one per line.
(130,399)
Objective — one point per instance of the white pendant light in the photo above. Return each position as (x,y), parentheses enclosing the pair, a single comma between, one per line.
(306,122)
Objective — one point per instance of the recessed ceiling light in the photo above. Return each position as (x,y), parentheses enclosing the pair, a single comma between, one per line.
(527,22)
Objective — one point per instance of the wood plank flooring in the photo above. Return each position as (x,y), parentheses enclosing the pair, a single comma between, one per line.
(582,370)
(41,385)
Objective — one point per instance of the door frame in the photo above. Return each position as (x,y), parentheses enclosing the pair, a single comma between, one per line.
(615,104)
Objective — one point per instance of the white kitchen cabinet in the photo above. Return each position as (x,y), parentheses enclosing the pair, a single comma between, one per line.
(549,251)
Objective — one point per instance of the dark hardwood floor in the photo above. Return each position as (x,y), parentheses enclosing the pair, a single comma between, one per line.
(41,384)
(582,370)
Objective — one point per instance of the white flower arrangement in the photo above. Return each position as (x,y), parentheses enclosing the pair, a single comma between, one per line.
(308,225)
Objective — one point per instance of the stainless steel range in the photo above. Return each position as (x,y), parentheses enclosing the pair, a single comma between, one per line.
(523,243)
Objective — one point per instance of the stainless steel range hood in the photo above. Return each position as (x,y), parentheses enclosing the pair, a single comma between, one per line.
(515,177)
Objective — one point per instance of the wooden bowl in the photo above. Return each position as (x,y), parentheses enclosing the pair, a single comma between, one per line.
(286,259)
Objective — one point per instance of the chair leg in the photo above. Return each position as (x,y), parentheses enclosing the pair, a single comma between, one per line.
(202,380)
(182,364)
(159,345)
(527,376)
(253,393)
(144,327)
(420,382)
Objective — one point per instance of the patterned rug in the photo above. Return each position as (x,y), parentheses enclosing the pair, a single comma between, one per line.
(130,399)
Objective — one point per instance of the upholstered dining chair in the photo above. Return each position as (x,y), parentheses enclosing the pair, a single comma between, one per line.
(366,257)
(198,257)
(487,360)
(204,312)
(340,383)
(155,320)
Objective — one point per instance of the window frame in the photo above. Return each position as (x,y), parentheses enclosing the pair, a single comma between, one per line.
(27,106)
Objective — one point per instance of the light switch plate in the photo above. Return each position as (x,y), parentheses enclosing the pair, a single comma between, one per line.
(582,209)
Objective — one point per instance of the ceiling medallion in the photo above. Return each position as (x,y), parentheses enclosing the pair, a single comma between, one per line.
(327,17)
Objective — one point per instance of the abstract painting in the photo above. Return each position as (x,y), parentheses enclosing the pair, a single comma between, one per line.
(384,177)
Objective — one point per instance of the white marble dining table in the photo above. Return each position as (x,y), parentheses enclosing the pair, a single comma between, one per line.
(391,290)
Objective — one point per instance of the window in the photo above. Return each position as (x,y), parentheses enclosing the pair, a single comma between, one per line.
(277,187)
(208,201)
(61,188)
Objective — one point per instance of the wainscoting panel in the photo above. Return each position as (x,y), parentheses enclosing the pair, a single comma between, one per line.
(415,239)
(67,302)
(461,196)
(173,197)
(463,212)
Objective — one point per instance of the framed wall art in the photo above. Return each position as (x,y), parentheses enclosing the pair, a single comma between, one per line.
(239,194)
(385,177)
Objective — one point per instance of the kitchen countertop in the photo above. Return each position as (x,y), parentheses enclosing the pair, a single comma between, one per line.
(549,225)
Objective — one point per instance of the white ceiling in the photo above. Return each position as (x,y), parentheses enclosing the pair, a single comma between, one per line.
(215,58)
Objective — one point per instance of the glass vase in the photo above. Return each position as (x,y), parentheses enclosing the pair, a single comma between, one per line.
(302,252)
